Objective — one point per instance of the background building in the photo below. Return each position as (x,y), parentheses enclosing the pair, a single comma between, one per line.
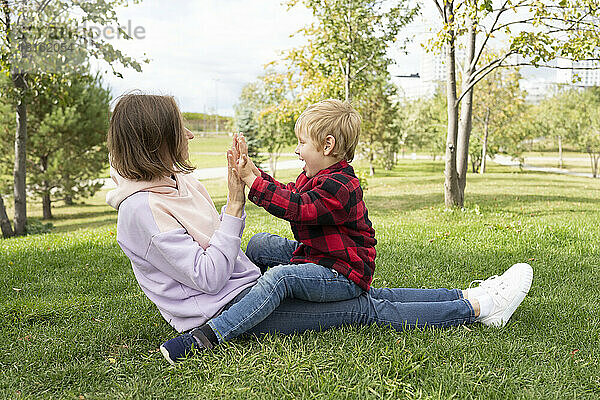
(539,83)
(572,75)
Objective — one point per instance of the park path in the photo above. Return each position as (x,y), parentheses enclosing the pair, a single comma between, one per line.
(508,161)
(221,172)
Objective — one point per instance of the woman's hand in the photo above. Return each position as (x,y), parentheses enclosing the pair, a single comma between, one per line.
(237,195)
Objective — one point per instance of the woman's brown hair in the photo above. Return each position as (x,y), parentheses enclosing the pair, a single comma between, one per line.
(145,137)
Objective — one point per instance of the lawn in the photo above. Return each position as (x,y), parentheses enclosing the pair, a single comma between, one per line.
(76,325)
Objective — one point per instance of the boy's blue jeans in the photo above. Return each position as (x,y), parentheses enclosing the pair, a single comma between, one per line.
(310,282)
(274,304)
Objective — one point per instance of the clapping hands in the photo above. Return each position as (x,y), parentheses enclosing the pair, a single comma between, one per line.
(244,168)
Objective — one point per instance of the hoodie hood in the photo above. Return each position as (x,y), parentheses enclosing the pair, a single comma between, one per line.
(174,203)
(127,187)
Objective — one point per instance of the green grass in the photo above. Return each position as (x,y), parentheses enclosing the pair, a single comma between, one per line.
(75,323)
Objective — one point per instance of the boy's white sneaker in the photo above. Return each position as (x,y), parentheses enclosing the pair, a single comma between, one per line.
(507,292)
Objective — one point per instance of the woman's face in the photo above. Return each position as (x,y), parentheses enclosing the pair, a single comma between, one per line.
(187,136)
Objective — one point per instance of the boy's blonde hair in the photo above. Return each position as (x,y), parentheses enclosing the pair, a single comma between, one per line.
(145,137)
(331,117)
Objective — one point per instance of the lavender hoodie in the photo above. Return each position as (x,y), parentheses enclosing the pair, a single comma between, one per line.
(185,256)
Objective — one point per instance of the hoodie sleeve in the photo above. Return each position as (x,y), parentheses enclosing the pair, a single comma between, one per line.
(243,218)
(177,255)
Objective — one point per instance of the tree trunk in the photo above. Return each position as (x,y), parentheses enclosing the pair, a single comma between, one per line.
(68,200)
(371,164)
(348,72)
(452,196)
(46,201)
(486,125)
(594,162)
(47,206)
(20,159)
(347,80)
(560,155)
(273,164)
(7,230)
(475,164)
(466,116)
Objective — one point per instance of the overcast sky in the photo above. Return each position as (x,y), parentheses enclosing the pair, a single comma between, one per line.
(204,51)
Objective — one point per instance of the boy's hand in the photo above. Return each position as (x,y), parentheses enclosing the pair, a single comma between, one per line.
(242,148)
(245,168)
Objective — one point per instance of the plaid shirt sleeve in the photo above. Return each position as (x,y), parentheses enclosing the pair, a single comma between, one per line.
(325,204)
(267,177)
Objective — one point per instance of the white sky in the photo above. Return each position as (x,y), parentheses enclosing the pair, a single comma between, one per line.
(204,51)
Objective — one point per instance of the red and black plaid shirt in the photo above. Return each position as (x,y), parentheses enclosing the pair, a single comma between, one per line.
(328,217)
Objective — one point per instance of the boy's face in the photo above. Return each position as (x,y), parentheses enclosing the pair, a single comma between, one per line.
(308,151)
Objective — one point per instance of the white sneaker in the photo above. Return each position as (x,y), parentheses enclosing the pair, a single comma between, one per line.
(507,292)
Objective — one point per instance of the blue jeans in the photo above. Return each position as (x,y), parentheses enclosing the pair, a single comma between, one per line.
(308,281)
(398,308)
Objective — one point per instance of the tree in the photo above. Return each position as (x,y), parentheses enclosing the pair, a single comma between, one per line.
(7,126)
(557,117)
(276,129)
(266,112)
(573,116)
(543,30)
(426,121)
(345,56)
(246,113)
(43,44)
(347,45)
(588,138)
(68,152)
(496,105)
(381,134)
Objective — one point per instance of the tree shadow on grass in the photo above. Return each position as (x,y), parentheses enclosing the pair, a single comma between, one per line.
(513,200)
(538,178)
(86,225)
(411,180)
(382,205)
(85,214)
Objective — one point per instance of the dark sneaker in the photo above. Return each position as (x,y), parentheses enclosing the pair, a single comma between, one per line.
(180,347)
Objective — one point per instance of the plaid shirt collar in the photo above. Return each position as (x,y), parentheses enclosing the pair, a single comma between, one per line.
(337,166)
(303,180)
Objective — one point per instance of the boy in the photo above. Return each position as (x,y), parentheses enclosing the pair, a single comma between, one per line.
(324,206)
